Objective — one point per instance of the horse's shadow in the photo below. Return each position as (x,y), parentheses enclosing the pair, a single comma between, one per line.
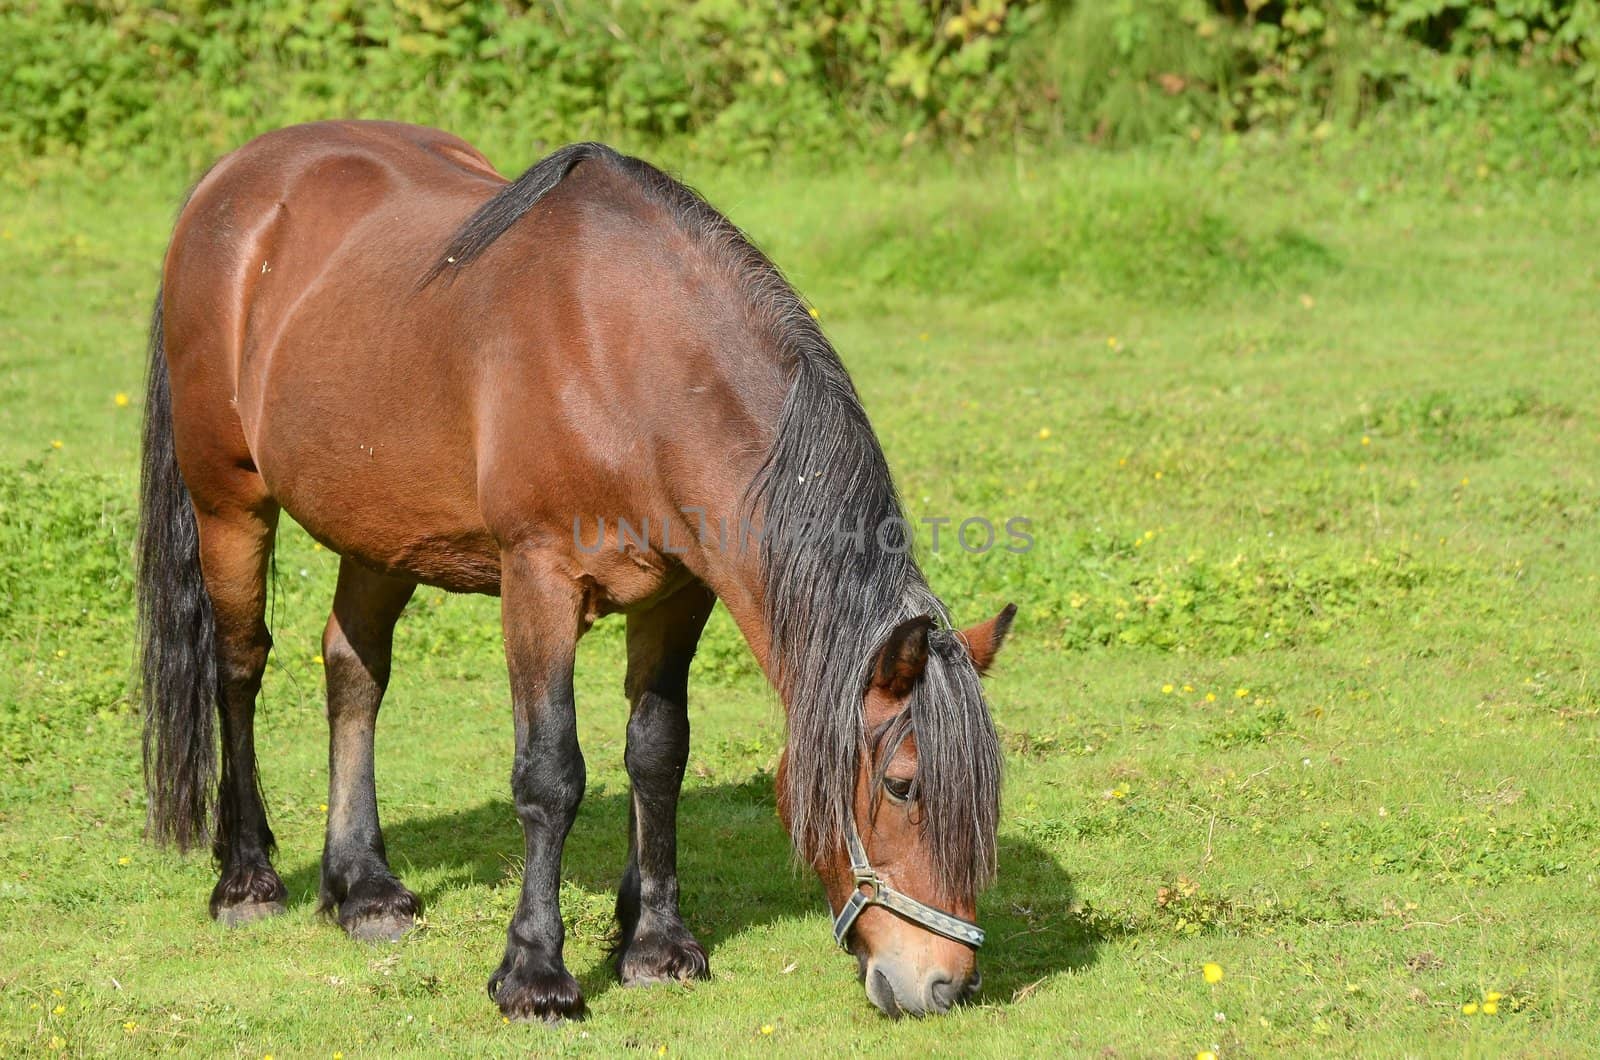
(736,873)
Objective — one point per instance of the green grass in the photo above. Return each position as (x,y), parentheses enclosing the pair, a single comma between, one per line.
(1303,682)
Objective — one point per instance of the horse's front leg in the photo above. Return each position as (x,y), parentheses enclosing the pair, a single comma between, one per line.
(656,946)
(541,616)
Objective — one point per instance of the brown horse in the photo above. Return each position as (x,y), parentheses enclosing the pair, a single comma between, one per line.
(444,376)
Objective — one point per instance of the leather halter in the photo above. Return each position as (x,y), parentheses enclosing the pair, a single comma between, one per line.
(872,890)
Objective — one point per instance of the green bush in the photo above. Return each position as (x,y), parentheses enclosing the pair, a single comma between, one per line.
(732,78)
(1132,69)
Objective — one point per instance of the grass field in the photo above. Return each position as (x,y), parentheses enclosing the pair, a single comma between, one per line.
(1303,683)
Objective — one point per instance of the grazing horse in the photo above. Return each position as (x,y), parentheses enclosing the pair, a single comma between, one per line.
(443,376)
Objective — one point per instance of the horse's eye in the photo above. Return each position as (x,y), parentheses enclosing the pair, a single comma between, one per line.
(899,790)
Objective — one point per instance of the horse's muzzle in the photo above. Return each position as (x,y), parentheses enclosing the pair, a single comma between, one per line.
(897,992)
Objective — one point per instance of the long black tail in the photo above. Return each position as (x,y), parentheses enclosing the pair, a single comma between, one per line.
(177,637)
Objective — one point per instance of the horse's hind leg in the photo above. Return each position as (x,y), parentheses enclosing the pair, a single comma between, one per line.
(655,944)
(235,547)
(371,903)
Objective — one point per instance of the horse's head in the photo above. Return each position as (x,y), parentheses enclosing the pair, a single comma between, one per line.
(903,884)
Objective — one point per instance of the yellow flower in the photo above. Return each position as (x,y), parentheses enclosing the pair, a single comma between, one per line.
(1492,996)
(766,1028)
(1470,1008)
(338,1056)
(324,807)
(58,1010)
(55,443)
(124,860)
(923,336)
(1205,1054)
(1241,692)
(1111,341)
(130,1026)
(317,659)
(121,399)
(1158,474)
(1044,432)
(1490,1008)
(1366,439)
(662,1050)
(1166,689)
(1119,793)
(1188,688)
(1212,971)
(1211,697)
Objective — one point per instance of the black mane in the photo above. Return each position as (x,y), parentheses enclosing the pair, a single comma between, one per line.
(491,220)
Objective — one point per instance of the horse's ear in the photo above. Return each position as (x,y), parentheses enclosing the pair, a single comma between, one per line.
(903,656)
(984,639)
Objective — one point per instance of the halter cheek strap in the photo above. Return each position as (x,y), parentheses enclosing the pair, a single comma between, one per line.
(872,890)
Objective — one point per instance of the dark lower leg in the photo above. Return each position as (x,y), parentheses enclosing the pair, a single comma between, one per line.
(234,557)
(357,885)
(654,943)
(540,612)
(248,888)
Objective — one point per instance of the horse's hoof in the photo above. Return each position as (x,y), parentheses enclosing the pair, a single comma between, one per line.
(663,958)
(246,894)
(248,912)
(379,928)
(378,910)
(544,997)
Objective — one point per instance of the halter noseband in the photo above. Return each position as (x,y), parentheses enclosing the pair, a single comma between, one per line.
(872,890)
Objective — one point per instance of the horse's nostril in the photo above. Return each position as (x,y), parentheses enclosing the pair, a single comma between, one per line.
(881,992)
(943,992)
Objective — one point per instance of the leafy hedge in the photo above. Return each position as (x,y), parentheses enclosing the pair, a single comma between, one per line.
(1527,71)
(738,77)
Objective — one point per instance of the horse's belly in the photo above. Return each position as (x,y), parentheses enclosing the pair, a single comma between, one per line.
(403,505)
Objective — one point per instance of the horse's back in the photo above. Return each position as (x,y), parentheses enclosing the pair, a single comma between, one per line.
(298,344)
